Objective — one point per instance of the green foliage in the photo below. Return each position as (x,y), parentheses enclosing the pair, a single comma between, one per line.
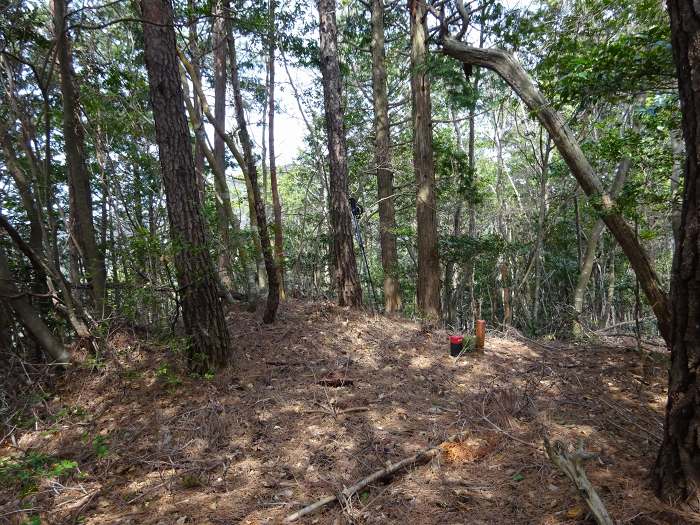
(461,248)
(25,473)
(167,376)
(100,446)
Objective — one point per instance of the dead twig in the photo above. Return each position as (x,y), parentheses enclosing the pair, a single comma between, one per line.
(421,457)
(571,464)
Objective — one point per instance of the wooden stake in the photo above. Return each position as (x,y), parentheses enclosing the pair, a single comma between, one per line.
(480,335)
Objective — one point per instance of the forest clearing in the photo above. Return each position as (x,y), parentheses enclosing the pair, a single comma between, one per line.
(250,252)
(256,444)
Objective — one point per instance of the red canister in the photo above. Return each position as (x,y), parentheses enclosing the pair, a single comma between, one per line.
(456,345)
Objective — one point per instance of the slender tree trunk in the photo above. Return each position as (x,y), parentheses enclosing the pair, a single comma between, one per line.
(273,287)
(244,162)
(217,169)
(193,41)
(586,265)
(506,293)
(518,79)
(81,223)
(676,474)
(347,281)
(30,204)
(276,202)
(226,272)
(202,312)
(382,160)
(540,232)
(428,286)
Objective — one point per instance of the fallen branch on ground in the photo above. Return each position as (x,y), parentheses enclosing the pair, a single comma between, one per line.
(571,464)
(421,457)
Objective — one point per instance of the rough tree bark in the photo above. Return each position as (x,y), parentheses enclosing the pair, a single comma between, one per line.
(676,474)
(428,286)
(82,228)
(273,288)
(347,281)
(513,73)
(382,160)
(219,174)
(202,312)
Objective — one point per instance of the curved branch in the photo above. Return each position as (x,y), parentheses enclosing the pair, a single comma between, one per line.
(510,70)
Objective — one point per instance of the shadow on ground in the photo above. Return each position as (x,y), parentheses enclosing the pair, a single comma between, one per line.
(325,397)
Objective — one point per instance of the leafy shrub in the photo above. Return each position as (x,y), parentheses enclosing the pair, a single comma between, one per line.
(25,473)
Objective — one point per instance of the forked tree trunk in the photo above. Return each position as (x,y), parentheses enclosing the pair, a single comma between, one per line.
(81,223)
(202,312)
(513,73)
(347,281)
(676,473)
(273,288)
(382,160)
(428,286)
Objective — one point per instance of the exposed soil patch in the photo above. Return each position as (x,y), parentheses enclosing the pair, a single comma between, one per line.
(325,397)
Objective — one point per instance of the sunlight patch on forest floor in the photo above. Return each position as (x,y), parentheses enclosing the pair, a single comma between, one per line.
(325,397)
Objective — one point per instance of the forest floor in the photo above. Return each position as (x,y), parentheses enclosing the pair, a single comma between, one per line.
(323,398)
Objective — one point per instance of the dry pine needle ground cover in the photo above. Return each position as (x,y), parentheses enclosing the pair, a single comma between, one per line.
(325,397)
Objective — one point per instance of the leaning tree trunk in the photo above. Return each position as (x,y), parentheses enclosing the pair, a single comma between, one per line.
(202,312)
(273,286)
(676,474)
(82,228)
(428,287)
(382,160)
(347,281)
(517,78)
(27,316)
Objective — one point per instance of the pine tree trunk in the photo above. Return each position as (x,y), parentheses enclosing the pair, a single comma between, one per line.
(276,202)
(347,281)
(428,287)
(676,474)
(81,223)
(382,160)
(202,312)
(221,186)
